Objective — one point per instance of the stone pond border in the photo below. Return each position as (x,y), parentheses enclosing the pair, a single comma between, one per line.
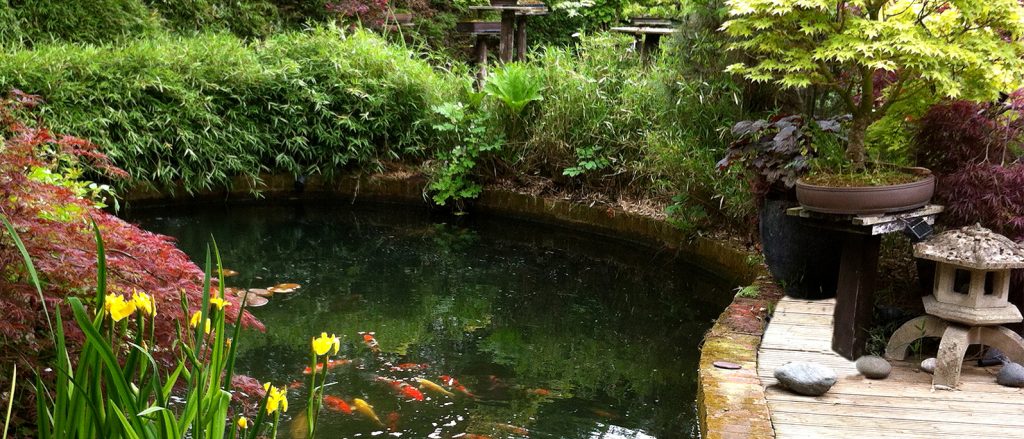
(731,403)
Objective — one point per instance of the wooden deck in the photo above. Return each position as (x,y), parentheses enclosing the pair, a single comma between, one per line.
(901,406)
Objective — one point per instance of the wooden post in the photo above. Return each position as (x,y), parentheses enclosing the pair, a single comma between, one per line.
(480,54)
(508,24)
(520,38)
(854,296)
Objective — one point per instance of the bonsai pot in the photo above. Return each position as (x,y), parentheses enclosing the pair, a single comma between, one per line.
(652,22)
(504,2)
(401,18)
(478,27)
(867,199)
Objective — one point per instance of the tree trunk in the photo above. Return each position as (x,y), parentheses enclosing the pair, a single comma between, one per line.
(855,151)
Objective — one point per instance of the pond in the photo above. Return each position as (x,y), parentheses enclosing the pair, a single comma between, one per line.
(552,333)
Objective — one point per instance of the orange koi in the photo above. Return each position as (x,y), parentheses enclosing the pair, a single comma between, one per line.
(337,404)
(393,421)
(432,386)
(295,384)
(404,388)
(331,364)
(454,383)
(319,368)
(409,366)
(539,392)
(370,341)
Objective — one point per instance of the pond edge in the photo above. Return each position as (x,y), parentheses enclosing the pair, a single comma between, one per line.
(730,403)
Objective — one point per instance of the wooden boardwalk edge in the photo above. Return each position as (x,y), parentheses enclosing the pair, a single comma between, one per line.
(902,406)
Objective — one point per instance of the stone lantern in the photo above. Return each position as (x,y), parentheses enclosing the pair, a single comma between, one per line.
(968,302)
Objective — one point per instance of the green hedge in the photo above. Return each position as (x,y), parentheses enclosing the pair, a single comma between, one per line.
(201,110)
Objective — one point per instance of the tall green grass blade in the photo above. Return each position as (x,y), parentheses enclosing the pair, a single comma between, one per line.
(44,418)
(122,392)
(101,269)
(10,401)
(28,265)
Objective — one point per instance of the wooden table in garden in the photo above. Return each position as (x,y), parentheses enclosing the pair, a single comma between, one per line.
(647,38)
(513,27)
(858,267)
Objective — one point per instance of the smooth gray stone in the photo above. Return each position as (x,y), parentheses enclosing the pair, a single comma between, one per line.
(806,378)
(928,365)
(873,367)
(1011,375)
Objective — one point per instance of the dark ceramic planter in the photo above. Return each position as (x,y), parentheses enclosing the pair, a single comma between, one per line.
(804,259)
(504,2)
(867,199)
(479,27)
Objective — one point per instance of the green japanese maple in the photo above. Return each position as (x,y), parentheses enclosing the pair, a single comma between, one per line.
(875,54)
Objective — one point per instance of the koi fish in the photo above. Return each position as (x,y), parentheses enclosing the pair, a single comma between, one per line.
(337,404)
(429,385)
(409,366)
(393,421)
(366,410)
(331,364)
(370,341)
(403,387)
(512,429)
(539,392)
(454,383)
(295,385)
(319,368)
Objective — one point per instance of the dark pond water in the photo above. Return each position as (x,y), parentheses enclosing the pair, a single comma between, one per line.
(557,334)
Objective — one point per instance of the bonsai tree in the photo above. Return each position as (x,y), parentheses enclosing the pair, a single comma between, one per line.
(875,54)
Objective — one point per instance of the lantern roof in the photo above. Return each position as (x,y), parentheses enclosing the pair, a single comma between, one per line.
(972,247)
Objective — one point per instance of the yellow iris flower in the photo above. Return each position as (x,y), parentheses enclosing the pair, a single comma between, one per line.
(118,307)
(323,344)
(144,302)
(276,399)
(243,423)
(195,321)
(219,303)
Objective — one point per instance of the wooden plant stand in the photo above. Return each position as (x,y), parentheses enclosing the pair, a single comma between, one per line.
(858,268)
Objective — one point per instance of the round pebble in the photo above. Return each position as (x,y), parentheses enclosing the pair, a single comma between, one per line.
(873,367)
(928,365)
(1011,375)
(806,378)
(727,365)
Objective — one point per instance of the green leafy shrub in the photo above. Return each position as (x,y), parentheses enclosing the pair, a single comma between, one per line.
(86,21)
(465,139)
(245,18)
(201,110)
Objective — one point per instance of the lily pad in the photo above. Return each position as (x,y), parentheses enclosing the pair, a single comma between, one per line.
(261,292)
(232,291)
(254,301)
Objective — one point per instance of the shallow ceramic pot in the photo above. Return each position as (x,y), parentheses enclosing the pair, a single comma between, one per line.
(402,18)
(867,199)
(478,26)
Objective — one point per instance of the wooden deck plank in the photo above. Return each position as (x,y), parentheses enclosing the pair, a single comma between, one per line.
(902,406)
